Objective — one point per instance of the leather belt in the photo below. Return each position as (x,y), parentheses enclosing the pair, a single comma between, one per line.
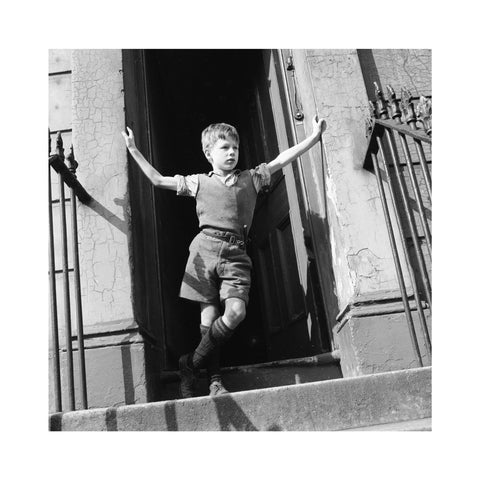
(228,237)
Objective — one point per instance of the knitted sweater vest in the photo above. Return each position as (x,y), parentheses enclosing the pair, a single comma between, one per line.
(226,207)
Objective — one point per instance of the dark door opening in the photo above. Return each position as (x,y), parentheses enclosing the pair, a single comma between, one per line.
(185,92)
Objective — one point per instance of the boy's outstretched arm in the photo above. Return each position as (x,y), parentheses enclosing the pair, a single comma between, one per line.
(151,173)
(287,156)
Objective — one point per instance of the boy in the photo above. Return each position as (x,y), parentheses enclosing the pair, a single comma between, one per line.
(218,268)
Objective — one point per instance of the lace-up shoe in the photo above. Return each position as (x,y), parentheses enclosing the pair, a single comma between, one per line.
(217,388)
(188,378)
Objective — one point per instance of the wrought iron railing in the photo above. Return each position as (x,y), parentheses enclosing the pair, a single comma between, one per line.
(406,172)
(66,175)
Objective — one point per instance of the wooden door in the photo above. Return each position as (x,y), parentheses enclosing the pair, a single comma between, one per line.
(279,259)
(147,284)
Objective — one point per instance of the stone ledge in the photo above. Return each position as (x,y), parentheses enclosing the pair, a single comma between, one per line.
(420,425)
(339,404)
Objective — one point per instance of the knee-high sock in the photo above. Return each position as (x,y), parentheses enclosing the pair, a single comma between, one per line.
(216,336)
(213,362)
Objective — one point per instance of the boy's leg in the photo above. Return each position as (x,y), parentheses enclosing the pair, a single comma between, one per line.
(235,311)
(220,331)
(214,377)
(208,314)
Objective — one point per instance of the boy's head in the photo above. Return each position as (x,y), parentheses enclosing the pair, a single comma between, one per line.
(215,132)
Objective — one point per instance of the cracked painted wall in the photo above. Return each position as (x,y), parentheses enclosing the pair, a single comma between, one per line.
(360,250)
(410,68)
(97,119)
(85,96)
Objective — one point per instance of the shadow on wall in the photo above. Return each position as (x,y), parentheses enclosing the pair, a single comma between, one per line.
(109,216)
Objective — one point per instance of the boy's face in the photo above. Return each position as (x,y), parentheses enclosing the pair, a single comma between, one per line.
(223,155)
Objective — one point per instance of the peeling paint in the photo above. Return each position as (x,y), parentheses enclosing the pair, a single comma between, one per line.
(97,120)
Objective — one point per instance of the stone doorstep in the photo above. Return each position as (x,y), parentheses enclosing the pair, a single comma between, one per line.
(316,368)
(419,425)
(381,401)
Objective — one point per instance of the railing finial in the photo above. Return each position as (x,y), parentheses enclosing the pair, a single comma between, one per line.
(369,121)
(381,103)
(408,108)
(59,149)
(424,113)
(71,160)
(394,104)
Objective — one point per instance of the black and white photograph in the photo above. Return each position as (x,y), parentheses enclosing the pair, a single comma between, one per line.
(240,239)
(235,271)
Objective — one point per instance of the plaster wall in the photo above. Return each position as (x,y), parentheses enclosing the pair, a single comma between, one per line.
(97,120)
(331,81)
(338,84)
(409,68)
(380,343)
(116,375)
(86,100)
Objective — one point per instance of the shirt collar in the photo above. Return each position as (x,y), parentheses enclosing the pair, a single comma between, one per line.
(234,172)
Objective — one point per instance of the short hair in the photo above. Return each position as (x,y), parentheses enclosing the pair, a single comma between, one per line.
(217,131)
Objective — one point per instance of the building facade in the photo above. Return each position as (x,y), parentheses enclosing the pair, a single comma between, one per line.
(325,277)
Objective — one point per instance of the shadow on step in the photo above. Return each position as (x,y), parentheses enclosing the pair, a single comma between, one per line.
(229,414)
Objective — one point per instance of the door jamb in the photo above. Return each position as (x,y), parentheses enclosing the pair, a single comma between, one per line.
(279,107)
(288,131)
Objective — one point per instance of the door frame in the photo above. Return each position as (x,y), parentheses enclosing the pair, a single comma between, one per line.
(275,73)
(289,133)
(147,286)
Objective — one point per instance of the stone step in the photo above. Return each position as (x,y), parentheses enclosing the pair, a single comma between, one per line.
(420,425)
(295,371)
(339,404)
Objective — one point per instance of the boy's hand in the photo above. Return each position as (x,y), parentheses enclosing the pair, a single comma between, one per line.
(129,139)
(319,126)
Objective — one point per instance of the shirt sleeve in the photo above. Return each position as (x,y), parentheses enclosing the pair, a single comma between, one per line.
(187,186)
(261,177)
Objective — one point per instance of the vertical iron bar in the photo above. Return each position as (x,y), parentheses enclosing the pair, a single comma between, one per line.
(78,293)
(416,192)
(66,296)
(410,221)
(396,260)
(425,170)
(411,119)
(78,302)
(53,302)
(66,282)
(408,262)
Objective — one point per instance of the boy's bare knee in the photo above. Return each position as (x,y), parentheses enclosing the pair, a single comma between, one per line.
(208,313)
(235,311)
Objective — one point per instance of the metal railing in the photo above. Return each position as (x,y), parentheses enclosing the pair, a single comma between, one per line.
(406,173)
(66,175)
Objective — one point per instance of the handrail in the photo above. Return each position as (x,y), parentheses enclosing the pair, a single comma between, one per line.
(389,122)
(67,176)
(57,163)
(417,134)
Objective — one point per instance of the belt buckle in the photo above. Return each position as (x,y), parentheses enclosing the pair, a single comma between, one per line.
(232,240)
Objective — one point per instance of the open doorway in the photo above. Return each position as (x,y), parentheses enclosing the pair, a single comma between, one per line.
(185,91)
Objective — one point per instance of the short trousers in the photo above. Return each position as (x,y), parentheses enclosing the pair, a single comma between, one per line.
(216,270)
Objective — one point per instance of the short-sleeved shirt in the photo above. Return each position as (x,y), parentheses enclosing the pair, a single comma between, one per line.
(188,185)
(217,270)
